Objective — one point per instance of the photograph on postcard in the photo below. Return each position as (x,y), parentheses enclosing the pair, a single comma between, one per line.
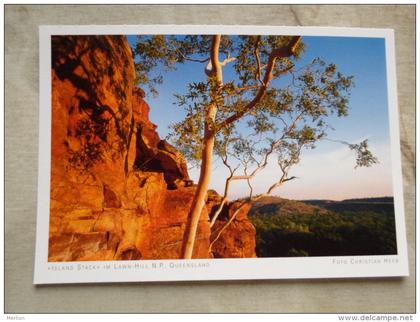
(184,146)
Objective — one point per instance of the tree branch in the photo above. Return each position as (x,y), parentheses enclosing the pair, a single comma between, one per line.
(214,64)
(283,179)
(245,202)
(192,59)
(196,60)
(258,60)
(260,166)
(227,185)
(283,71)
(278,53)
(221,230)
(227,61)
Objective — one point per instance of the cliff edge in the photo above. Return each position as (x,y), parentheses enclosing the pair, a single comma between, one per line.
(118,191)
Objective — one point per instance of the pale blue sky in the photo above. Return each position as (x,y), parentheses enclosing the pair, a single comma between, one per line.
(328,171)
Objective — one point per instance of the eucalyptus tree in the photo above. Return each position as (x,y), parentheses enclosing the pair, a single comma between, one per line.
(268,106)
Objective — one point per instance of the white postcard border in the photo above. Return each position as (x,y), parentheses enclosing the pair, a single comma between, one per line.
(211,269)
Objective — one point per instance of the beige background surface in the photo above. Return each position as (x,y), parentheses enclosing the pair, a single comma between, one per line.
(21,36)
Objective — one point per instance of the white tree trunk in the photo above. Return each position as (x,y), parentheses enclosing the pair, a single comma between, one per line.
(199,199)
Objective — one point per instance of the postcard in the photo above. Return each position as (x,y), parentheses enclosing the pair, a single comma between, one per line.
(176,152)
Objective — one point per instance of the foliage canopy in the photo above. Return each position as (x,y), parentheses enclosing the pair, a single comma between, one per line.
(295,106)
(268,107)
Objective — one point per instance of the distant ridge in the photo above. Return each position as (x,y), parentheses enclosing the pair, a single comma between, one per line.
(356,204)
(375,200)
(371,200)
(273,205)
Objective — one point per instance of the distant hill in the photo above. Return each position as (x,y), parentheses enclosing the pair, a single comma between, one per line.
(370,200)
(377,204)
(354,200)
(276,205)
(272,205)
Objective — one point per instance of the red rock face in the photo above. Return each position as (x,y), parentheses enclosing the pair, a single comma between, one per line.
(118,192)
(234,238)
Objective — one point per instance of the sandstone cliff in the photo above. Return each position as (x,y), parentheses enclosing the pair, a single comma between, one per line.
(237,239)
(117,190)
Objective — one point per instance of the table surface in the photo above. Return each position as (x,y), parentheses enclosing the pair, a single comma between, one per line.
(381,295)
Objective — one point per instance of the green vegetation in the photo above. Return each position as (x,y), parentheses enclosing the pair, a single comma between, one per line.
(288,228)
